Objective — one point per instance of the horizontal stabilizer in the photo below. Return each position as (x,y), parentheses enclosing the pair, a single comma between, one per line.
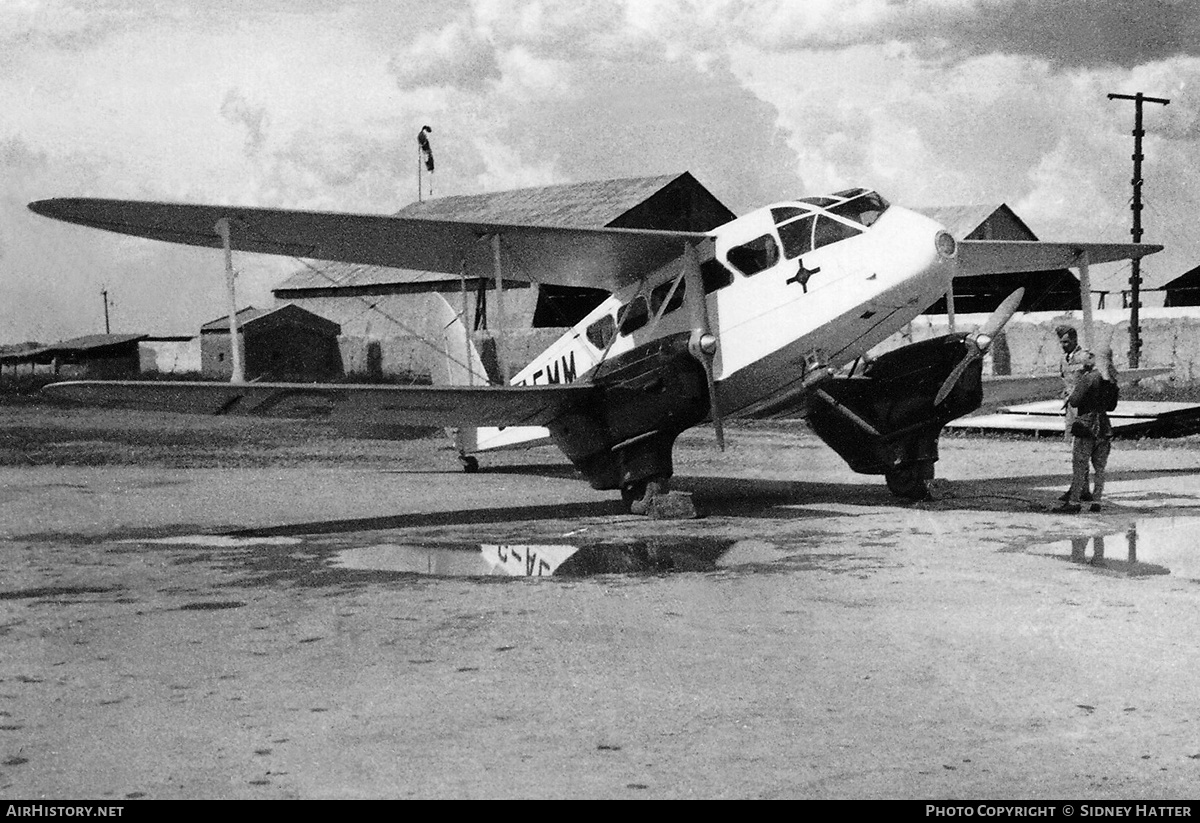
(1006,256)
(393,405)
(606,258)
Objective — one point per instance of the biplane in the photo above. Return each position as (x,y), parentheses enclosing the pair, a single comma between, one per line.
(773,311)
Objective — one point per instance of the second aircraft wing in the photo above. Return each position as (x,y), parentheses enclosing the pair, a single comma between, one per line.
(396,405)
(1005,256)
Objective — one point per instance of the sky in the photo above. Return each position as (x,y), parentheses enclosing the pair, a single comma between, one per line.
(316,104)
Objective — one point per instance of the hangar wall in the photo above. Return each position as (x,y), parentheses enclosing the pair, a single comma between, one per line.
(386,335)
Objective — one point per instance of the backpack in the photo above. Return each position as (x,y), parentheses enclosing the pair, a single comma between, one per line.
(1110,392)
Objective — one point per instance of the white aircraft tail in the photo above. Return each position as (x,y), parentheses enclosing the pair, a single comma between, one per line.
(461,365)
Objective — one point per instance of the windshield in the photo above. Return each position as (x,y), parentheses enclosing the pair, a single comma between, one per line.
(863,208)
(859,205)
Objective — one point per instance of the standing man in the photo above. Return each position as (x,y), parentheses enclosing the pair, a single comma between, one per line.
(1070,367)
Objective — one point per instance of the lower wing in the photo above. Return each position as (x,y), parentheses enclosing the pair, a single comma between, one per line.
(397,405)
(1009,389)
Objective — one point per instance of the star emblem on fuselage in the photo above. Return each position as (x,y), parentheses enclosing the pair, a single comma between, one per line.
(802,275)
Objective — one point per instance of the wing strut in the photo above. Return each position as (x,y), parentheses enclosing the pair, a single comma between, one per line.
(235,339)
(501,362)
(1085,300)
(950,301)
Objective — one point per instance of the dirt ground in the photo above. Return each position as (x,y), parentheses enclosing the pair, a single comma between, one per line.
(842,644)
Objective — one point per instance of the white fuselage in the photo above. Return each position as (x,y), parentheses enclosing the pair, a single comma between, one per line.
(819,309)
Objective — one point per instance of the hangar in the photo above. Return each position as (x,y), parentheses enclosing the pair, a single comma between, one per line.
(1184,290)
(383,312)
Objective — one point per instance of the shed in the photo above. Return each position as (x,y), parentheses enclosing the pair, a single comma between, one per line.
(1056,290)
(93,357)
(287,343)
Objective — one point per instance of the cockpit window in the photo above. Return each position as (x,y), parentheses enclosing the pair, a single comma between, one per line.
(864,209)
(796,236)
(758,255)
(818,201)
(633,315)
(782,214)
(830,231)
(601,332)
(659,295)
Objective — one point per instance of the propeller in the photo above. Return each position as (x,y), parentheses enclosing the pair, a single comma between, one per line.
(703,343)
(979,341)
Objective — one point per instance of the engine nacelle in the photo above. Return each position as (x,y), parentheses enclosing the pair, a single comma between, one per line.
(885,421)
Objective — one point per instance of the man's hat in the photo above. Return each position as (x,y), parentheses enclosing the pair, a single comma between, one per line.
(1065,331)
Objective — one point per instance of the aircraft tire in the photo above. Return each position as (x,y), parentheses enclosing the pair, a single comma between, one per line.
(908,482)
(640,494)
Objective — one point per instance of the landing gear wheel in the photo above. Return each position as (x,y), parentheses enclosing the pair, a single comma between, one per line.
(641,493)
(909,482)
(469,464)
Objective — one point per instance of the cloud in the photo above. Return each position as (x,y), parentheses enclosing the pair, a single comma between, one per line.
(1064,33)
(238,110)
(457,55)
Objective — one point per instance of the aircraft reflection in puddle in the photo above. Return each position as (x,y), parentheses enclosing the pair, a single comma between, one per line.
(536,560)
(1169,542)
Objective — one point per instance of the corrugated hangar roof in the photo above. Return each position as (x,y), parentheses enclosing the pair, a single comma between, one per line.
(76,345)
(578,205)
(581,205)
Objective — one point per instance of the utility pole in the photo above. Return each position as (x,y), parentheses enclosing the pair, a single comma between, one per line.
(104,294)
(1135,278)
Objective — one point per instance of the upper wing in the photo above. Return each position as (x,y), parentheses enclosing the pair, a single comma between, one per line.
(1003,256)
(600,258)
(396,405)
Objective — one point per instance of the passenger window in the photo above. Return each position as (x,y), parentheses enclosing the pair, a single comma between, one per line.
(758,255)
(797,237)
(714,276)
(830,231)
(601,332)
(660,294)
(633,315)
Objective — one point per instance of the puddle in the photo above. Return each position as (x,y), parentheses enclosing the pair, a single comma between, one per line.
(1153,546)
(322,561)
(216,541)
(536,560)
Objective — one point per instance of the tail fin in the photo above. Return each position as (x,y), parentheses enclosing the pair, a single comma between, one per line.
(461,365)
